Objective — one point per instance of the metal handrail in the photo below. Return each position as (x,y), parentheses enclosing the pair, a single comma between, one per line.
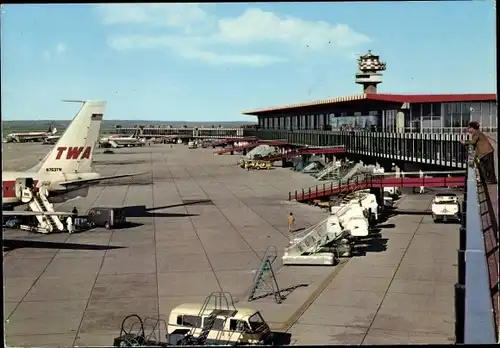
(372,181)
(479,322)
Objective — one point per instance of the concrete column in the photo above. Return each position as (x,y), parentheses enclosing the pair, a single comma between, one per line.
(400,122)
(421,175)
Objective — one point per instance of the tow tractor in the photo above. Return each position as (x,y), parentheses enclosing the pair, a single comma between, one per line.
(255,164)
(445,207)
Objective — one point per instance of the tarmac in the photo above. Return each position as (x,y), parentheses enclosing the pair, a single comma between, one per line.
(202,224)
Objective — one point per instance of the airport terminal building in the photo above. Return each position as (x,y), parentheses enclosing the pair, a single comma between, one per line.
(414,113)
(438,113)
(424,129)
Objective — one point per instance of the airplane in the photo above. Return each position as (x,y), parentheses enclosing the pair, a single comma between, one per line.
(66,172)
(51,139)
(120,140)
(30,136)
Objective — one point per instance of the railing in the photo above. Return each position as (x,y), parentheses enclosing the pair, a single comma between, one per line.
(369,181)
(443,130)
(437,149)
(488,205)
(415,130)
(475,321)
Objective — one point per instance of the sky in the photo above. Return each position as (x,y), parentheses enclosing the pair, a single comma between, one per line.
(192,62)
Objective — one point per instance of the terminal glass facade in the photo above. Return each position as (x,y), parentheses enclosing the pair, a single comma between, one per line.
(452,117)
(413,118)
(356,120)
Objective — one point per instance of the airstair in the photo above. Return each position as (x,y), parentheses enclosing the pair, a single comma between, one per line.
(327,170)
(366,200)
(261,151)
(323,243)
(352,171)
(113,144)
(335,171)
(217,304)
(313,168)
(308,247)
(353,216)
(265,283)
(38,202)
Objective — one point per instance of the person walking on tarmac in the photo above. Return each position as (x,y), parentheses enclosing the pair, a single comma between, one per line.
(484,151)
(75,212)
(291,223)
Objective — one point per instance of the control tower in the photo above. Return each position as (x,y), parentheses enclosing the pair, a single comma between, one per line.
(368,74)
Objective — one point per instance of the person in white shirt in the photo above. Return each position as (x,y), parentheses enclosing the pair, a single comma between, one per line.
(69,222)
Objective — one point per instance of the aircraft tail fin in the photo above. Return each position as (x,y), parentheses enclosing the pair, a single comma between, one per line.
(73,151)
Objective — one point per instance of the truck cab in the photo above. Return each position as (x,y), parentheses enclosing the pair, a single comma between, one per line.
(106,217)
(241,326)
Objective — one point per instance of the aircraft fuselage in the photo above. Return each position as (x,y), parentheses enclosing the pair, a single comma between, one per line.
(51,180)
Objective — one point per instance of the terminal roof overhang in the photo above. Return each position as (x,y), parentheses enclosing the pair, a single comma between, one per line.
(374,101)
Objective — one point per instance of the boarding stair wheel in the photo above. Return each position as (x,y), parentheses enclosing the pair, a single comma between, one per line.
(131,332)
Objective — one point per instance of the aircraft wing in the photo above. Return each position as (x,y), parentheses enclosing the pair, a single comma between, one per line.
(33,213)
(102,178)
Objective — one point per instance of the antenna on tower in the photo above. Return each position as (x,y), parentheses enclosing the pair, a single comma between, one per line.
(368,74)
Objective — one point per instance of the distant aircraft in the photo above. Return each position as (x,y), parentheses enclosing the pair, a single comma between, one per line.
(65,172)
(120,140)
(51,139)
(30,136)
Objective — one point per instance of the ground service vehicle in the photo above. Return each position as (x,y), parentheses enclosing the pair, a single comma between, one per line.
(257,164)
(106,217)
(238,326)
(445,207)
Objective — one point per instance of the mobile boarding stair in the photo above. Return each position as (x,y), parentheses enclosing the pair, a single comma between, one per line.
(216,304)
(328,170)
(265,283)
(334,170)
(314,167)
(333,237)
(37,201)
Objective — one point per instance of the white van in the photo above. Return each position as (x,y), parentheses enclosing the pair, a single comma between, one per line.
(192,145)
(445,207)
(240,326)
